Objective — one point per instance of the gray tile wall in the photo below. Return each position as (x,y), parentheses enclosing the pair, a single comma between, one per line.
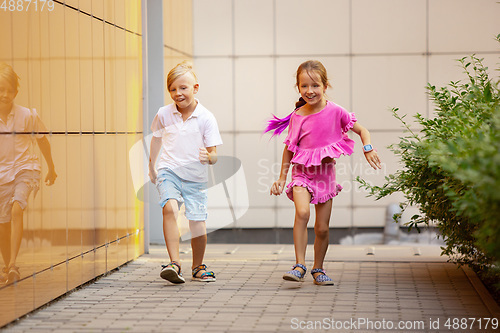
(379,53)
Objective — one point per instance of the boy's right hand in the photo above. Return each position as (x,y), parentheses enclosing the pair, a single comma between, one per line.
(278,187)
(152,176)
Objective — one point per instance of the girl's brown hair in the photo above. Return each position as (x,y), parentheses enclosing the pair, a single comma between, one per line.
(312,66)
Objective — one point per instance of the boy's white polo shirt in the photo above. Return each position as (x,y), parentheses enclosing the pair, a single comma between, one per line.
(23,126)
(182,140)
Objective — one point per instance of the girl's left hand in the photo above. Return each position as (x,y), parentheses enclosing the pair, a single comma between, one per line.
(373,159)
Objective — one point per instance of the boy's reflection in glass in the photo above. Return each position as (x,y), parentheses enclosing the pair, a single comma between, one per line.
(19,168)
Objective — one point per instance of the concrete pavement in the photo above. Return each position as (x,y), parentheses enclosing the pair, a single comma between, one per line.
(383,288)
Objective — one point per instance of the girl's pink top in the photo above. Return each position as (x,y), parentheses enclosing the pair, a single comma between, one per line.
(323,134)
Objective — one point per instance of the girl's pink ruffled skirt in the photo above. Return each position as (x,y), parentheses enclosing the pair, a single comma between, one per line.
(320,181)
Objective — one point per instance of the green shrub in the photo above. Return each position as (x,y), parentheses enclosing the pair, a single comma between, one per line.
(452,168)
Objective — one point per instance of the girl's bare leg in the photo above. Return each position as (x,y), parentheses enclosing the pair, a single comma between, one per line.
(322,231)
(301,199)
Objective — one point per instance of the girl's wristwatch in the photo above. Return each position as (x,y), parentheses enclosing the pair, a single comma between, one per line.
(367,148)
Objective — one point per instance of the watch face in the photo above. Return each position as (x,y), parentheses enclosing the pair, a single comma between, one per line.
(367,148)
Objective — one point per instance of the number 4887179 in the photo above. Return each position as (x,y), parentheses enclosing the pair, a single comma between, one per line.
(26,5)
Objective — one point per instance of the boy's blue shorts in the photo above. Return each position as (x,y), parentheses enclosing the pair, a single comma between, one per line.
(18,190)
(192,194)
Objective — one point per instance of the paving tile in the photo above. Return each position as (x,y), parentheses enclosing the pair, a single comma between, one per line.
(250,295)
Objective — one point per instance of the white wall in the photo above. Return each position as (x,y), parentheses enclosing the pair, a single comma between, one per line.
(379,53)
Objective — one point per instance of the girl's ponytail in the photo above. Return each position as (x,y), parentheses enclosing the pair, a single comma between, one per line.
(278,125)
(300,103)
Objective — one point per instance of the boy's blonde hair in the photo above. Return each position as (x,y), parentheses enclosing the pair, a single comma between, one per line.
(7,73)
(179,70)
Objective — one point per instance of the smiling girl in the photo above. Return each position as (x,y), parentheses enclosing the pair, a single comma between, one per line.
(316,137)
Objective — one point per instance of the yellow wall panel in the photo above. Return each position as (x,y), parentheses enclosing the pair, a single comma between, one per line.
(110,183)
(20,28)
(34,84)
(100,153)
(112,256)
(21,68)
(133,83)
(56,34)
(133,16)
(84,77)
(75,267)
(72,96)
(120,8)
(132,224)
(131,246)
(57,82)
(120,189)
(74,3)
(85,6)
(109,10)
(121,82)
(74,194)
(45,106)
(100,266)
(6,39)
(110,83)
(98,76)
(7,306)
(88,266)
(24,299)
(43,253)
(49,284)
(71,32)
(35,223)
(87,96)
(122,250)
(88,187)
(72,66)
(98,8)
(34,63)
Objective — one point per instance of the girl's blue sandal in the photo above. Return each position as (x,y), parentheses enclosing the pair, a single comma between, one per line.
(295,275)
(205,276)
(321,279)
(171,274)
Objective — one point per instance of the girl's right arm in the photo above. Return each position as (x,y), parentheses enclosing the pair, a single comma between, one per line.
(153,155)
(279,185)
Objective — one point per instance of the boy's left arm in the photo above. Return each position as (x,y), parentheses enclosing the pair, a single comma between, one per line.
(371,156)
(208,155)
(44,145)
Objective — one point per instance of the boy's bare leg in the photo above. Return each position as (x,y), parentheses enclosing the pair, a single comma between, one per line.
(321,230)
(198,241)
(171,230)
(17,232)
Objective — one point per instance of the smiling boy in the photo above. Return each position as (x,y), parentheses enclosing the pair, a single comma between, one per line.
(188,134)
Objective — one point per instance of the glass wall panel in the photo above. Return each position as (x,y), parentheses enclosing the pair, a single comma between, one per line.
(67,213)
